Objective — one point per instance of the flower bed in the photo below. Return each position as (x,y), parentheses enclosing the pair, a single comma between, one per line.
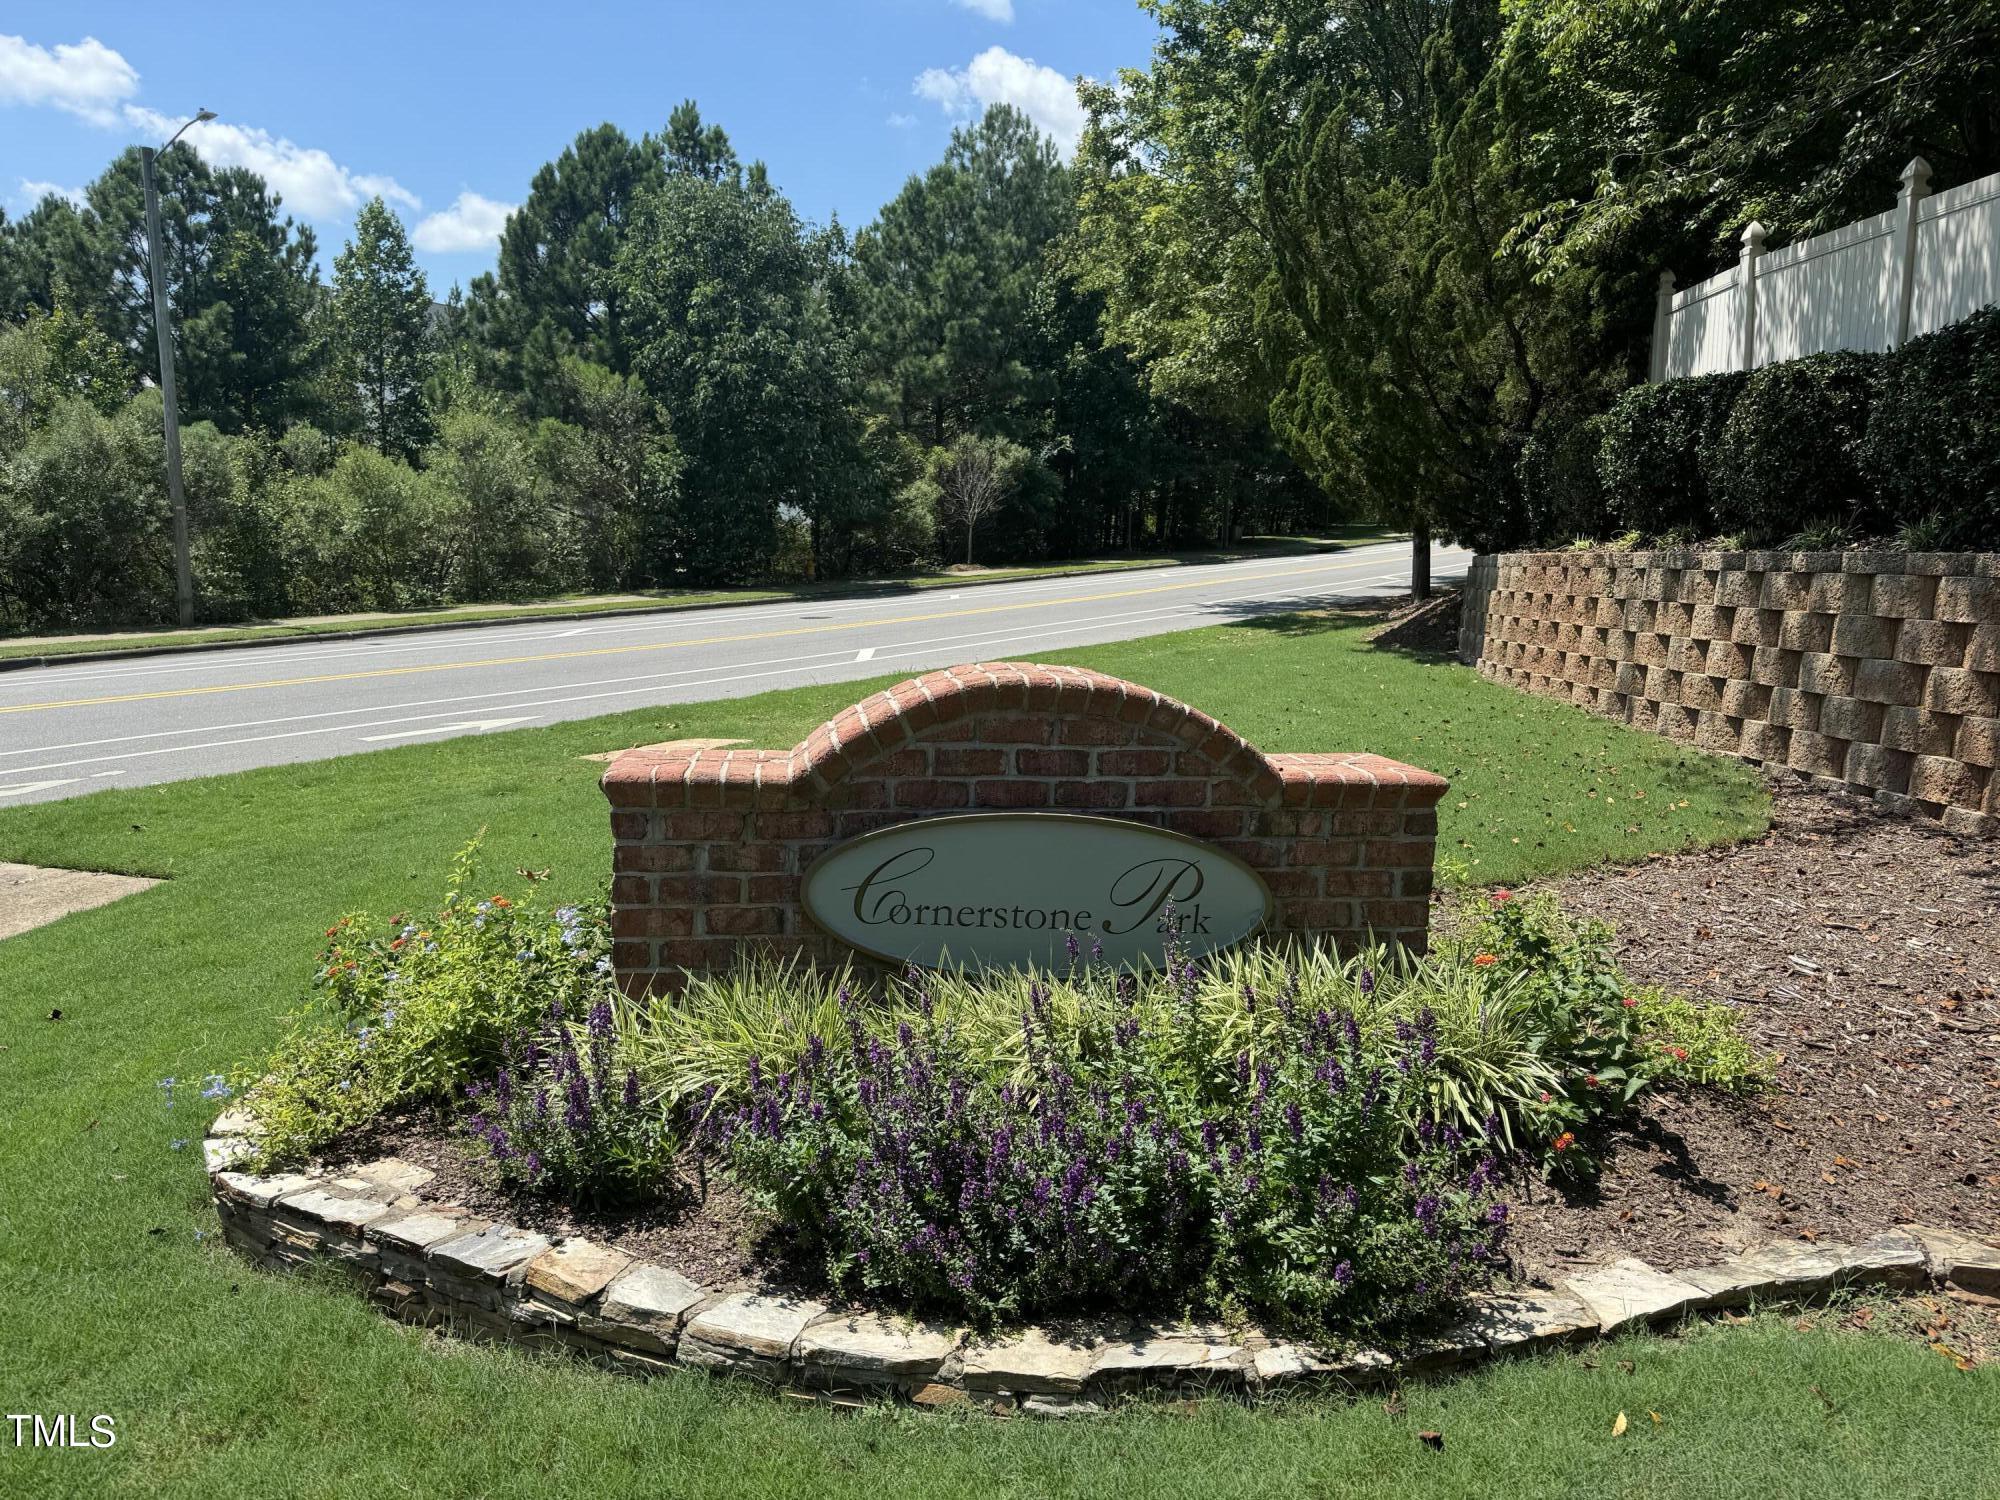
(432,1263)
(1314,1140)
(1278,1163)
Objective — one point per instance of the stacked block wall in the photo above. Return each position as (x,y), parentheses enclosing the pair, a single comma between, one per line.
(1875,671)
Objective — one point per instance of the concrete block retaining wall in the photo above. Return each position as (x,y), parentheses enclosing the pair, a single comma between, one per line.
(1876,672)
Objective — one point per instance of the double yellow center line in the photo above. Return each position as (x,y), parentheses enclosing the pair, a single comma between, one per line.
(874,623)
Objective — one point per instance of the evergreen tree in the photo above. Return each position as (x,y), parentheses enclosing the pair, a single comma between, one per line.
(701,152)
(553,295)
(240,277)
(727,296)
(948,275)
(380,318)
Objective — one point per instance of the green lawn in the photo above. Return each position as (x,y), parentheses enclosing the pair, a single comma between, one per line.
(571,606)
(227,1381)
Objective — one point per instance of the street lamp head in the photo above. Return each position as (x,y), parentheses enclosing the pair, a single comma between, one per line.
(201,117)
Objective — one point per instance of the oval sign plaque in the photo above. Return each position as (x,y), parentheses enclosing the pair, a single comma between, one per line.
(1008,889)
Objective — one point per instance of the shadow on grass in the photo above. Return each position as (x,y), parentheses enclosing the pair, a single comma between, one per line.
(1300,625)
(1429,634)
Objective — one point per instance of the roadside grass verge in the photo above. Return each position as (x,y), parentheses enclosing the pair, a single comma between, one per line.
(654,601)
(225,1380)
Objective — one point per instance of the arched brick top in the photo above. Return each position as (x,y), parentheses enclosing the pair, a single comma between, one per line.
(916,710)
(712,843)
(869,735)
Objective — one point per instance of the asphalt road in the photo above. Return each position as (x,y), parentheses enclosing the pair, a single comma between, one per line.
(68,730)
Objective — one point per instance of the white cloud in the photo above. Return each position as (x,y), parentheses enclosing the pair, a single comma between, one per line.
(997,76)
(471,223)
(311,182)
(994,10)
(34,192)
(87,79)
(901,121)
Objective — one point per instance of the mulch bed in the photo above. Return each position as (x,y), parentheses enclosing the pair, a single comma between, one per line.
(1424,627)
(1864,948)
(708,1231)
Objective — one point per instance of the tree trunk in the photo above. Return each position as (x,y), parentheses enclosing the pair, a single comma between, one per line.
(1420,559)
(968,542)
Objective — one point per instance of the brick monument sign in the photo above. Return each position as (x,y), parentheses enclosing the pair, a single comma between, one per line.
(989,811)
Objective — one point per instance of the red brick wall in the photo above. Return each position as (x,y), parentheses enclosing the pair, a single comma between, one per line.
(711,844)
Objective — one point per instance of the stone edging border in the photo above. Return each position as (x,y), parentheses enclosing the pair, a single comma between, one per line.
(435,1265)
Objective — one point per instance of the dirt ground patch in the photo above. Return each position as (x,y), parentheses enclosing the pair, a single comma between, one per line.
(1427,627)
(1865,949)
(33,896)
(705,1228)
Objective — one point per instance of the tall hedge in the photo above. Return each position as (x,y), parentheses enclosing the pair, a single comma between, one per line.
(1789,456)
(1932,446)
(1905,442)
(1651,460)
(1560,484)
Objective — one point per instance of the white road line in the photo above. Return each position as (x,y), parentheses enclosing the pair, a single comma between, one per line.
(27,788)
(808,667)
(804,664)
(782,667)
(866,653)
(468,726)
(1149,613)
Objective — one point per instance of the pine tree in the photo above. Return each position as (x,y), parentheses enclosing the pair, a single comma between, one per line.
(948,275)
(695,150)
(554,293)
(380,319)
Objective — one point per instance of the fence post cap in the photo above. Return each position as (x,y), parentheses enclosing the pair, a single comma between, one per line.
(1916,176)
(1668,281)
(1753,235)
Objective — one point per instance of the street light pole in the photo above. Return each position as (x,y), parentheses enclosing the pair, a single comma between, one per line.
(163,332)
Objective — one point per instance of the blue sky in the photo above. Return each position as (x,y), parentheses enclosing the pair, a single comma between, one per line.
(448,110)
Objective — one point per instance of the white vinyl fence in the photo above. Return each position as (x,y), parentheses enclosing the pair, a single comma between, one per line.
(1930,260)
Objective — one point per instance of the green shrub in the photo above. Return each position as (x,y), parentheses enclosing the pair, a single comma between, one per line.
(392,533)
(85,528)
(1932,446)
(1696,1044)
(1650,463)
(307,451)
(504,537)
(411,1010)
(1789,455)
(49,358)
(1560,484)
